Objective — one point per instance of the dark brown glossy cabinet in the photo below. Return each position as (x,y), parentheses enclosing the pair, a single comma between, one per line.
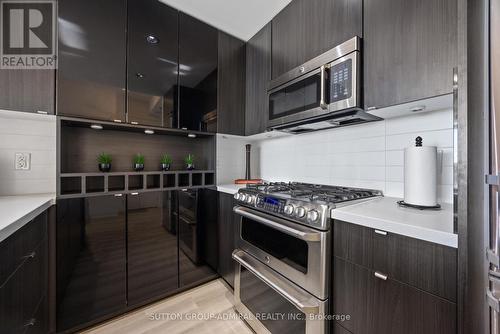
(231,81)
(91,260)
(228,233)
(92,59)
(258,74)
(307,28)
(152,246)
(28,90)
(152,63)
(24,281)
(197,103)
(392,284)
(409,50)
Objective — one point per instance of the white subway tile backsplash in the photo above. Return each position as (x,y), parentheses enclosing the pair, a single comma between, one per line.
(367,155)
(29,133)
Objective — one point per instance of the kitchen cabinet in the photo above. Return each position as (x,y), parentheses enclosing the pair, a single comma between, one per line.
(197,228)
(258,74)
(228,234)
(152,63)
(409,50)
(231,81)
(197,103)
(152,246)
(24,288)
(307,28)
(28,90)
(392,284)
(91,260)
(92,59)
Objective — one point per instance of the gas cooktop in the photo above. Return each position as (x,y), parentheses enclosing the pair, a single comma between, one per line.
(304,203)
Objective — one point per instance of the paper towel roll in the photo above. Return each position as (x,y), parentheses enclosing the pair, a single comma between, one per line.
(421,175)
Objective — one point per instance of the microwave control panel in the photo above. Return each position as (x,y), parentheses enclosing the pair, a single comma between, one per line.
(341,81)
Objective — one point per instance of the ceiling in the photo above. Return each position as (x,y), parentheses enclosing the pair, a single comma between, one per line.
(240,18)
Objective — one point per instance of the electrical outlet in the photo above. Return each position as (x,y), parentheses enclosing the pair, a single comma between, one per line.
(23,161)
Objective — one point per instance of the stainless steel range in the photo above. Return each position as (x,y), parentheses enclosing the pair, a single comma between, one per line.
(283,255)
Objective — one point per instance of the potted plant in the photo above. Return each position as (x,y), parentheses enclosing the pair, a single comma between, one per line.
(104,161)
(165,162)
(189,160)
(138,162)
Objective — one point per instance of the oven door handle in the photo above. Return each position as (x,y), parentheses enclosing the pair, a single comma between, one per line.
(302,300)
(296,232)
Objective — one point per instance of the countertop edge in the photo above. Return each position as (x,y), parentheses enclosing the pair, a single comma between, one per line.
(13,227)
(412,231)
(230,189)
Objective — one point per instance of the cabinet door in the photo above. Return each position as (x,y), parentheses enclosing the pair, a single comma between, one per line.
(228,232)
(152,63)
(152,247)
(198,44)
(198,256)
(410,49)
(258,74)
(28,90)
(231,90)
(91,260)
(307,28)
(91,64)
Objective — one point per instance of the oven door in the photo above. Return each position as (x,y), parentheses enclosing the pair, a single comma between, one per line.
(269,303)
(299,253)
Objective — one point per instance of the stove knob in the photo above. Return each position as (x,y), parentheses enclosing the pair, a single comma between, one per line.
(237,196)
(300,212)
(312,216)
(288,209)
(250,199)
(243,197)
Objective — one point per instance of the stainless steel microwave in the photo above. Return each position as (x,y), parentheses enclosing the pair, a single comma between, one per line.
(326,90)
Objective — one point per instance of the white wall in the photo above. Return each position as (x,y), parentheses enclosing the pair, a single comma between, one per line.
(367,155)
(27,133)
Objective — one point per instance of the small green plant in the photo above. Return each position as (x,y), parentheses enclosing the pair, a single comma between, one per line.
(139,159)
(104,158)
(166,159)
(189,159)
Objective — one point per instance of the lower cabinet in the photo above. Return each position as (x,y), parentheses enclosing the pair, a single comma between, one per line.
(91,259)
(400,292)
(23,292)
(228,232)
(118,252)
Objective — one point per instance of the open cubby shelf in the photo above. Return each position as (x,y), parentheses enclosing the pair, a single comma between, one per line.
(91,184)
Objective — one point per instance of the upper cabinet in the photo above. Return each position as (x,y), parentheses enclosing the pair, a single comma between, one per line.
(307,28)
(258,74)
(410,49)
(231,90)
(152,63)
(198,44)
(92,59)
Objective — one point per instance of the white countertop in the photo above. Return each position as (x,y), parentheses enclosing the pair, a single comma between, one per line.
(17,211)
(385,214)
(230,188)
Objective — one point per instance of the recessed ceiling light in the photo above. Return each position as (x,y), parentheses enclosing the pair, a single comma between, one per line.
(149,132)
(139,75)
(96,126)
(152,39)
(417,108)
(191,135)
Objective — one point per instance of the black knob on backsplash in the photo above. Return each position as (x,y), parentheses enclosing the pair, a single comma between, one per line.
(418,141)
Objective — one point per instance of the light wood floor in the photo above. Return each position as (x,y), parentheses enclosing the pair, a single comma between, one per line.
(211,299)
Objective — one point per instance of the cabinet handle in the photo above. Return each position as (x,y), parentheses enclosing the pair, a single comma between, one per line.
(371,108)
(381,276)
(31,322)
(117,120)
(134,123)
(118,195)
(381,232)
(41,112)
(30,255)
(134,194)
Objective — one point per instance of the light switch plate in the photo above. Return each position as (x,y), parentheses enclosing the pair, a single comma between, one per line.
(23,161)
